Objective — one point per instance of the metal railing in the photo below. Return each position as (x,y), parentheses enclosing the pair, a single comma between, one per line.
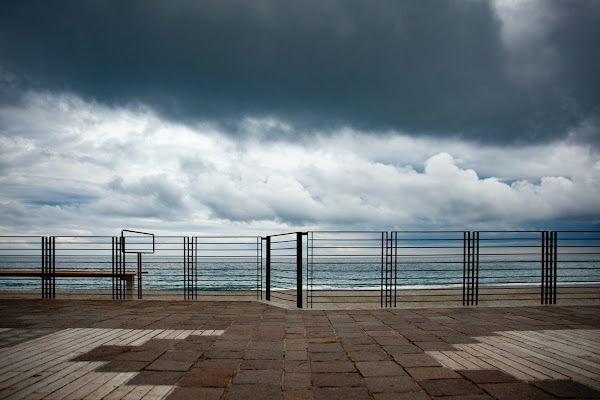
(316,269)
(347,268)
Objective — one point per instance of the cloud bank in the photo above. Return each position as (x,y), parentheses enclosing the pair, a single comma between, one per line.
(493,72)
(71,166)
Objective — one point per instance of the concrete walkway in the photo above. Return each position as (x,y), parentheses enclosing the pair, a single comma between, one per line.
(64,349)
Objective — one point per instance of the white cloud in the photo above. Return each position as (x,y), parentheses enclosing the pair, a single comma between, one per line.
(81,167)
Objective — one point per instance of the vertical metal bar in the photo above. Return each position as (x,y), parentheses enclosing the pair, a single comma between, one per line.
(139,272)
(268,277)
(472,268)
(257,272)
(43,264)
(121,267)
(124,290)
(112,258)
(310,260)
(548,270)
(469,267)
(388,266)
(555,266)
(464,267)
(195,268)
(543,284)
(476,269)
(381,286)
(395,268)
(185,286)
(53,267)
(306,268)
(261,265)
(299,269)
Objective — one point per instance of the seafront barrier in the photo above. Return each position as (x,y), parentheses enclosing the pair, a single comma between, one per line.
(315,269)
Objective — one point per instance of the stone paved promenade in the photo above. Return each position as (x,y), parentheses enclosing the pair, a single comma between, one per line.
(67,349)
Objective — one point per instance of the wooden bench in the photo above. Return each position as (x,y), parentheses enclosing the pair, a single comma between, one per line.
(128,277)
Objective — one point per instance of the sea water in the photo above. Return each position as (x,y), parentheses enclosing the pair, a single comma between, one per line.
(359,273)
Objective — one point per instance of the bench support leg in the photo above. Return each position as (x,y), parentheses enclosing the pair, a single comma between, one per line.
(129,286)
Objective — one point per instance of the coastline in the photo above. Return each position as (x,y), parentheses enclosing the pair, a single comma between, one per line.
(509,295)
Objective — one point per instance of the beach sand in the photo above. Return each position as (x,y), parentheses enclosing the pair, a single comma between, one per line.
(355,299)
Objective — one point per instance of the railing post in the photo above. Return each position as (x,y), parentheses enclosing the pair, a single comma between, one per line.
(555,266)
(139,274)
(382,287)
(549,267)
(470,268)
(476,268)
(268,277)
(43,267)
(48,267)
(299,269)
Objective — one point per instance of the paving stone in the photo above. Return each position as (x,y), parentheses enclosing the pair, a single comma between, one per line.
(402,396)
(368,356)
(140,354)
(122,366)
(416,360)
(298,355)
(264,354)
(262,364)
(346,379)
(482,396)
(331,356)
(297,394)
(265,345)
(426,373)
(155,378)
(296,380)
(567,389)
(225,344)
(187,345)
(193,393)
(223,354)
(351,393)
(380,368)
(239,392)
(450,387)
(160,344)
(392,341)
(332,366)
(409,349)
(165,364)
(512,391)
(296,366)
(362,347)
(206,377)
(103,353)
(269,376)
(487,376)
(324,347)
(394,384)
(434,346)
(219,363)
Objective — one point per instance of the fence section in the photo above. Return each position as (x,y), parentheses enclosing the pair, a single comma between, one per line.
(283,271)
(20,265)
(226,267)
(577,266)
(83,265)
(511,266)
(433,268)
(348,268)
(318,269)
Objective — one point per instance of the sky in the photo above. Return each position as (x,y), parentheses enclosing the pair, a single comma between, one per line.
(269,116)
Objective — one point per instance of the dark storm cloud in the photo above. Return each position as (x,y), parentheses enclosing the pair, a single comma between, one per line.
(435,67)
